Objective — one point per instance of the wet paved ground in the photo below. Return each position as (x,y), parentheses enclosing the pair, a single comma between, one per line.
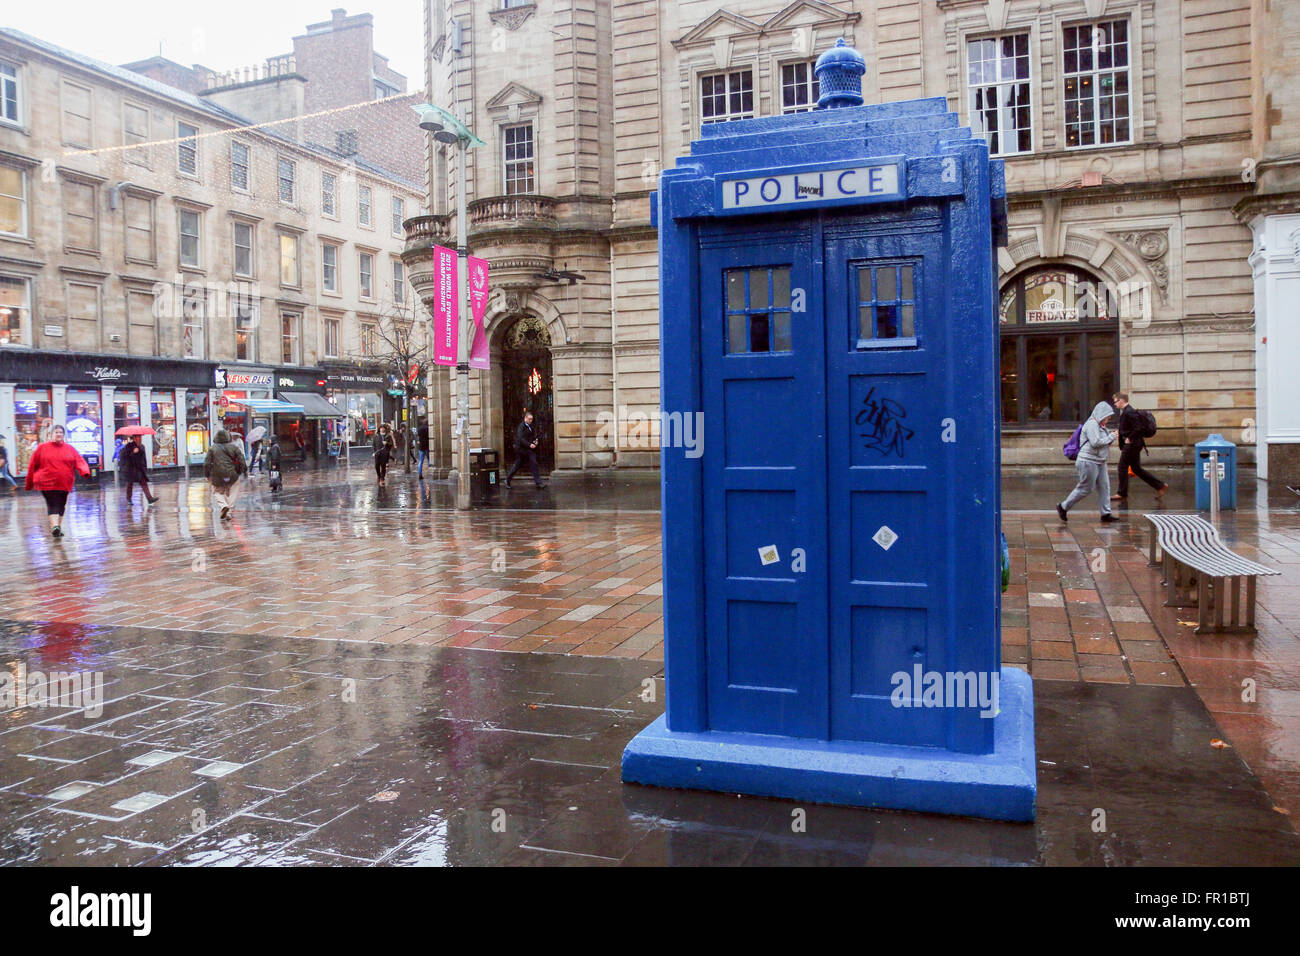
(241,749)
(200,628)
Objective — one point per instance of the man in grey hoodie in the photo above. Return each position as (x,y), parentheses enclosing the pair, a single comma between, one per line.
(1094,447)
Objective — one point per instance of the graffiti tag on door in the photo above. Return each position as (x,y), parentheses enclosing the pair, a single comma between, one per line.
(882,422)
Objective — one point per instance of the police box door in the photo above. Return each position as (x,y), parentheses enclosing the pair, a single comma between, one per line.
(764,507)
(887,390)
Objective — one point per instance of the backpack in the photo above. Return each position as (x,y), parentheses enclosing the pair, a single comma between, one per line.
(1148,422)
(1071,447)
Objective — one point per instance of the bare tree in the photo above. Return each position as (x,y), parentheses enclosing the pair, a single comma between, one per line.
(394,344)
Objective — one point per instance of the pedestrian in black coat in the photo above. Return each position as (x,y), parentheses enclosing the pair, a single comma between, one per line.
(1131,443)
(134,462)
(526,442)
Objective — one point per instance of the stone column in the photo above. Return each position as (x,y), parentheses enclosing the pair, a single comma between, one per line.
(1275,262)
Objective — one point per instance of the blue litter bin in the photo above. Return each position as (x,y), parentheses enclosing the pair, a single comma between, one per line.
(1227,476)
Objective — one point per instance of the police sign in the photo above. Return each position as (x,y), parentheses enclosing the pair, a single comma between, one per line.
(810,187)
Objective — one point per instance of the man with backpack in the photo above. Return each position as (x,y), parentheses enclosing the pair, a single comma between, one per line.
(1090,445)
(1135,427)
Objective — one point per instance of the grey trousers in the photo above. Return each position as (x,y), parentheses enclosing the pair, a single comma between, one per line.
(1093,476)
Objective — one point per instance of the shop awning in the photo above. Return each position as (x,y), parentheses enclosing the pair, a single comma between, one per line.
(267,405)
(313,405)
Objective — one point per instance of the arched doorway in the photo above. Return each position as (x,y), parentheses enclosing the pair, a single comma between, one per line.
(526,384)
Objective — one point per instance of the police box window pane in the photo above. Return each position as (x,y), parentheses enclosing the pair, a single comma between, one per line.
(735,291)
(758,310)
(758,291)
(886,306)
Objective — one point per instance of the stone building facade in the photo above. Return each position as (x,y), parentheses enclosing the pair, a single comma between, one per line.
(1138,138)
(147,228)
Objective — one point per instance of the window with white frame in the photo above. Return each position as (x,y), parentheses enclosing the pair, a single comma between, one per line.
(239,180)
(13,201)
(245,331)
(329,258)
(366,263)
(399,282)
(244,249)
(517,142)
(135,134)
(328,187)
(287,173)
(187,149)
(191,248)
(331,338)
(399,216)
(10,93)
(290,338)
(1095,60)
(15,308)
(193,313)
(726,96)
(290,272)
(799,87)
(997,71)
(363,205)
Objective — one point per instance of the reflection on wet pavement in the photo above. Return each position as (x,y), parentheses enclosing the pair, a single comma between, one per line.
(275,751)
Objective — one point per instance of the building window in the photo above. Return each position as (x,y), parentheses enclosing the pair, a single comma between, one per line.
(331,338)
(369,338)
(287,172)
(83,311)
(363,205)
(135,134)
(187,149)
(80,220)
(10,103)
(518,159)
(399,216)
(399,282)
(329,257)
(191,243)
(886,305)
(290,274)
(245,331)
(998,75)
(799,87)
(289,338)
(193,313)
(239,167)
(15,309)
(244,250)
(328,186)
(758,312)
(726,96)
(138,212)
(1060,346)
(383,90)
(367,269)
(13,201)
(1096,84)
(77,110)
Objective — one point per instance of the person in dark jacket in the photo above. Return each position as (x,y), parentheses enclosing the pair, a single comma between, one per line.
(1131,443)
(422,443)
(526,442)
(222,468)
(4,467)
(384,447)
(53,471)
(273,459)
(134,462)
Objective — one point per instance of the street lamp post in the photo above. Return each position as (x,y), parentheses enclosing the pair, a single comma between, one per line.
(446,128)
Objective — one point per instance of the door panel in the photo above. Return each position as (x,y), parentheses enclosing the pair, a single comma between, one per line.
(764,453)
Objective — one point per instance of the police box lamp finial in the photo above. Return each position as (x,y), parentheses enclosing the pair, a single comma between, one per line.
(839,72)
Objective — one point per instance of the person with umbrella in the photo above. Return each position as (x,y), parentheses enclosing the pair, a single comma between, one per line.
(53,471)
(134,461)
(255,450)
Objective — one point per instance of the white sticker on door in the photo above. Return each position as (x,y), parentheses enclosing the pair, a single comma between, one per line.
(885,537)
(768,555)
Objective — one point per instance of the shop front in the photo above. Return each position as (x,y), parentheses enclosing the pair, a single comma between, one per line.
(92,396)
(307,433)
(359,394)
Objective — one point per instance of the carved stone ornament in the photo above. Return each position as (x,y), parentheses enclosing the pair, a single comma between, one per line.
(512,18)
(1152,246)
(439,48)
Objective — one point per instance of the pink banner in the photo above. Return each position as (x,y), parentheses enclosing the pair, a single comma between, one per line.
(478,301)
(444,307)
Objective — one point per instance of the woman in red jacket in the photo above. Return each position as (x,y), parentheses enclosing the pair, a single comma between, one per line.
(53,471)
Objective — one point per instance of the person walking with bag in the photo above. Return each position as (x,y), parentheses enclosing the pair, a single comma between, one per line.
(1095,440)
(4,467)
(53,471)
(384,447)
(273,459)
(222,468)
(134,462)
(1135,427)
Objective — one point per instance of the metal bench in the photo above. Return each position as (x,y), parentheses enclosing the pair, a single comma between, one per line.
(1200,571)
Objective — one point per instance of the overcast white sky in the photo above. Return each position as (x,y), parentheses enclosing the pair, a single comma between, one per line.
(223,35)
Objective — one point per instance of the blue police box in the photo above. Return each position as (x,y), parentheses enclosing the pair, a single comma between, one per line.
(831,551)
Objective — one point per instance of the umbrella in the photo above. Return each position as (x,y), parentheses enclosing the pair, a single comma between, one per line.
(129,430)
(256,434)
